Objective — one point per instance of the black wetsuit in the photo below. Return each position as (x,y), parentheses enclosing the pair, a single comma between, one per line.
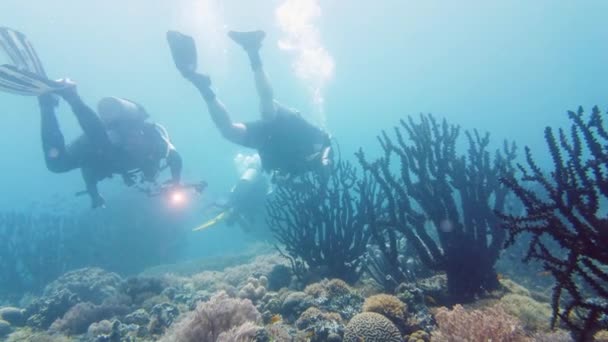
(94,152)
(287,143)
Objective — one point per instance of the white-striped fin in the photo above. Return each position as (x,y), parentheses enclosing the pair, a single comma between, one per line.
(21,52)
(23,82)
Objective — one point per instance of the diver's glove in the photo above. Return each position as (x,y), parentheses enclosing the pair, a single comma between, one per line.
(98,202)
(128,179)
(69,91)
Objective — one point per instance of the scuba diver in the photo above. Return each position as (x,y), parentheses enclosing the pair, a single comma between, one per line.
(287,144)
(247,198)
(117,141)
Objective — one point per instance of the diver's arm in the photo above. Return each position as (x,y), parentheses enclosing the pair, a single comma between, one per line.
(174,160)
(91,184)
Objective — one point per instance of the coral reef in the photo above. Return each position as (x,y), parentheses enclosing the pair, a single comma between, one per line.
(141,288)
(533,315)
(245,332)
(601,335)
(90,284)
(255,289)
(371,327)
(210,319)
(294,304)
(320,326)
(5,328)
(554,336)
(419,315)
(279,277)
(335,296)
(321,221)
(388,306)
(418,336)
(14,316)
(45,310)
(176,308)
(438,192)
(490,324)
(564,206)
(80,316)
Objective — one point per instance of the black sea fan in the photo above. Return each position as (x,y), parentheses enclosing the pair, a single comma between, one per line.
(570,210)
(323,221)
(442,202)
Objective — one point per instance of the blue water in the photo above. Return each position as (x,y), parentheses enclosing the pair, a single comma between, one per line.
(507,67)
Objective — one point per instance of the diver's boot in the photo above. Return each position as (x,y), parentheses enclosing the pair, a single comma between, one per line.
(203,83)
(250,41)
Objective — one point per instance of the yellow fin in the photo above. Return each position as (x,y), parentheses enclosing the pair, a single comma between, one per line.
(219,218)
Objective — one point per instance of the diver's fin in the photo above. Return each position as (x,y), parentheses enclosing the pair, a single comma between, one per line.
(21,52)
(249,40)
(214,221)
(23,82)
(183,50)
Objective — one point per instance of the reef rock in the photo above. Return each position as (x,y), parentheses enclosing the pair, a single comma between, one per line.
(5,328)
(335,296)
(294,304)
(15,316)
(142,288)
(90,284)
(371,327)
(279,277)
(139,317)
(45,310)
(320,326)
(99,329)
(420,317)
(161,317)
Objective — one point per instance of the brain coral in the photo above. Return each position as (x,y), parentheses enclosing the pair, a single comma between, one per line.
(371,327)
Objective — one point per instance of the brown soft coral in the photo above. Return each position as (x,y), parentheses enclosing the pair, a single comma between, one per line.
(388,306)
(328,288)
(418,336)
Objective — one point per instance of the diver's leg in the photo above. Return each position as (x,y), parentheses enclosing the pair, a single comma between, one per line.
(56,156)
(232,131)
(88,120)
(251,42)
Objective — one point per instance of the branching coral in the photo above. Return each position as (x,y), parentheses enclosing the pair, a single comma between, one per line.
(322,221)
(491,324)
(442,202)
(568,211)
